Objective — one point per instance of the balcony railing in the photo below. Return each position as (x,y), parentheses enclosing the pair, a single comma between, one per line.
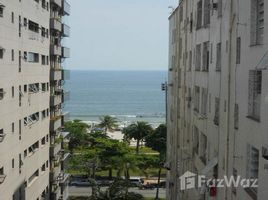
(66,74)
(57,2)
(63,178)
(56,74)
(65,52)
(55,149)
(66,96)
(65,30)
(55,50)
(55,100)
(55,123)
(64,134)
(66,8)
(55,24)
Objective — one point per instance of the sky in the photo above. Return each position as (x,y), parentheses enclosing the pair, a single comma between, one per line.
(119,34)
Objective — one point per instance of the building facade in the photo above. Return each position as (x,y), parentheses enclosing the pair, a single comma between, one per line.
(59,30)
(27,130)
(217,99)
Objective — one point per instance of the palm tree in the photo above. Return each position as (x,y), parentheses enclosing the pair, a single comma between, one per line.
(138,131)
(108,122)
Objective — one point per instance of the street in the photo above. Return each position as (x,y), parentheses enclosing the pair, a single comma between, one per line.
(86,191)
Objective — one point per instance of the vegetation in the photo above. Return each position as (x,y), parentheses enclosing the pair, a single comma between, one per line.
(137,131)
(109,123)
(95,154)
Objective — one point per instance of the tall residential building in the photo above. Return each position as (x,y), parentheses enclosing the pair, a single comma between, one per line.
(27,116)
(59,30)
(217,99)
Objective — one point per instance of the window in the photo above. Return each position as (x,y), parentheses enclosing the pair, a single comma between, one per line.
(43,32)
(19,61)
(13,92)
(25,88)
(13,163)
(206,12)
(43,60)
(236,116)
(217,111)
(255,89)
(206,56)
(34,88)
(12,55)
(257,22)
(238,50)
(197,97)
(219,8)
(44,4)
(13,127)
(43,168)
(33,26)
(191,22)
(43,114)
(203,148)
(33,57)
(25,153)
(252,165)
(12,17)
(204,101)
(2,93)
(1,10)
(1,52)
(43,141)
(196,140)
(34,176)
(218,62)
(199,15)
(190,61)
(198,57)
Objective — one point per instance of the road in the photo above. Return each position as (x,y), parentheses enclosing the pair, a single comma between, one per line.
(86,191)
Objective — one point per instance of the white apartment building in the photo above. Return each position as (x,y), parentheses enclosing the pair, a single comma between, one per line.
(25,95)
(217,99)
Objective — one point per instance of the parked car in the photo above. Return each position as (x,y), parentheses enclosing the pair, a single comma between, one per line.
(135,181)
(80,182)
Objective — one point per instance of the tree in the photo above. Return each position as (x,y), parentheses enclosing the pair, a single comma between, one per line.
(137,131)
(109,123)
(157,140)
(78,133)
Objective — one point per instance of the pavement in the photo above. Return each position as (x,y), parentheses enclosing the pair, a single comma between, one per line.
(86,191)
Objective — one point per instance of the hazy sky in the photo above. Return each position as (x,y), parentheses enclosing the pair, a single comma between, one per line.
(119,34)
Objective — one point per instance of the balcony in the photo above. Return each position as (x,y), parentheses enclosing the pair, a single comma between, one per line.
(66,7)
(55,74)
(66,116)
(66,74)
(55,24)
(66,96)
(56,2)
(65,52)
(65,30)
(55,123)
(64,134)
(55,149)
(65,157)
(55,50)
(55,100)
(63,178)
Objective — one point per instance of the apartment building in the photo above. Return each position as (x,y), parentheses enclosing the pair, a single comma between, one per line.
(59,30)
(217,99)
(26,115)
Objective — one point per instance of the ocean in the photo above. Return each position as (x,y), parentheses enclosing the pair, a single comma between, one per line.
(127,95)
